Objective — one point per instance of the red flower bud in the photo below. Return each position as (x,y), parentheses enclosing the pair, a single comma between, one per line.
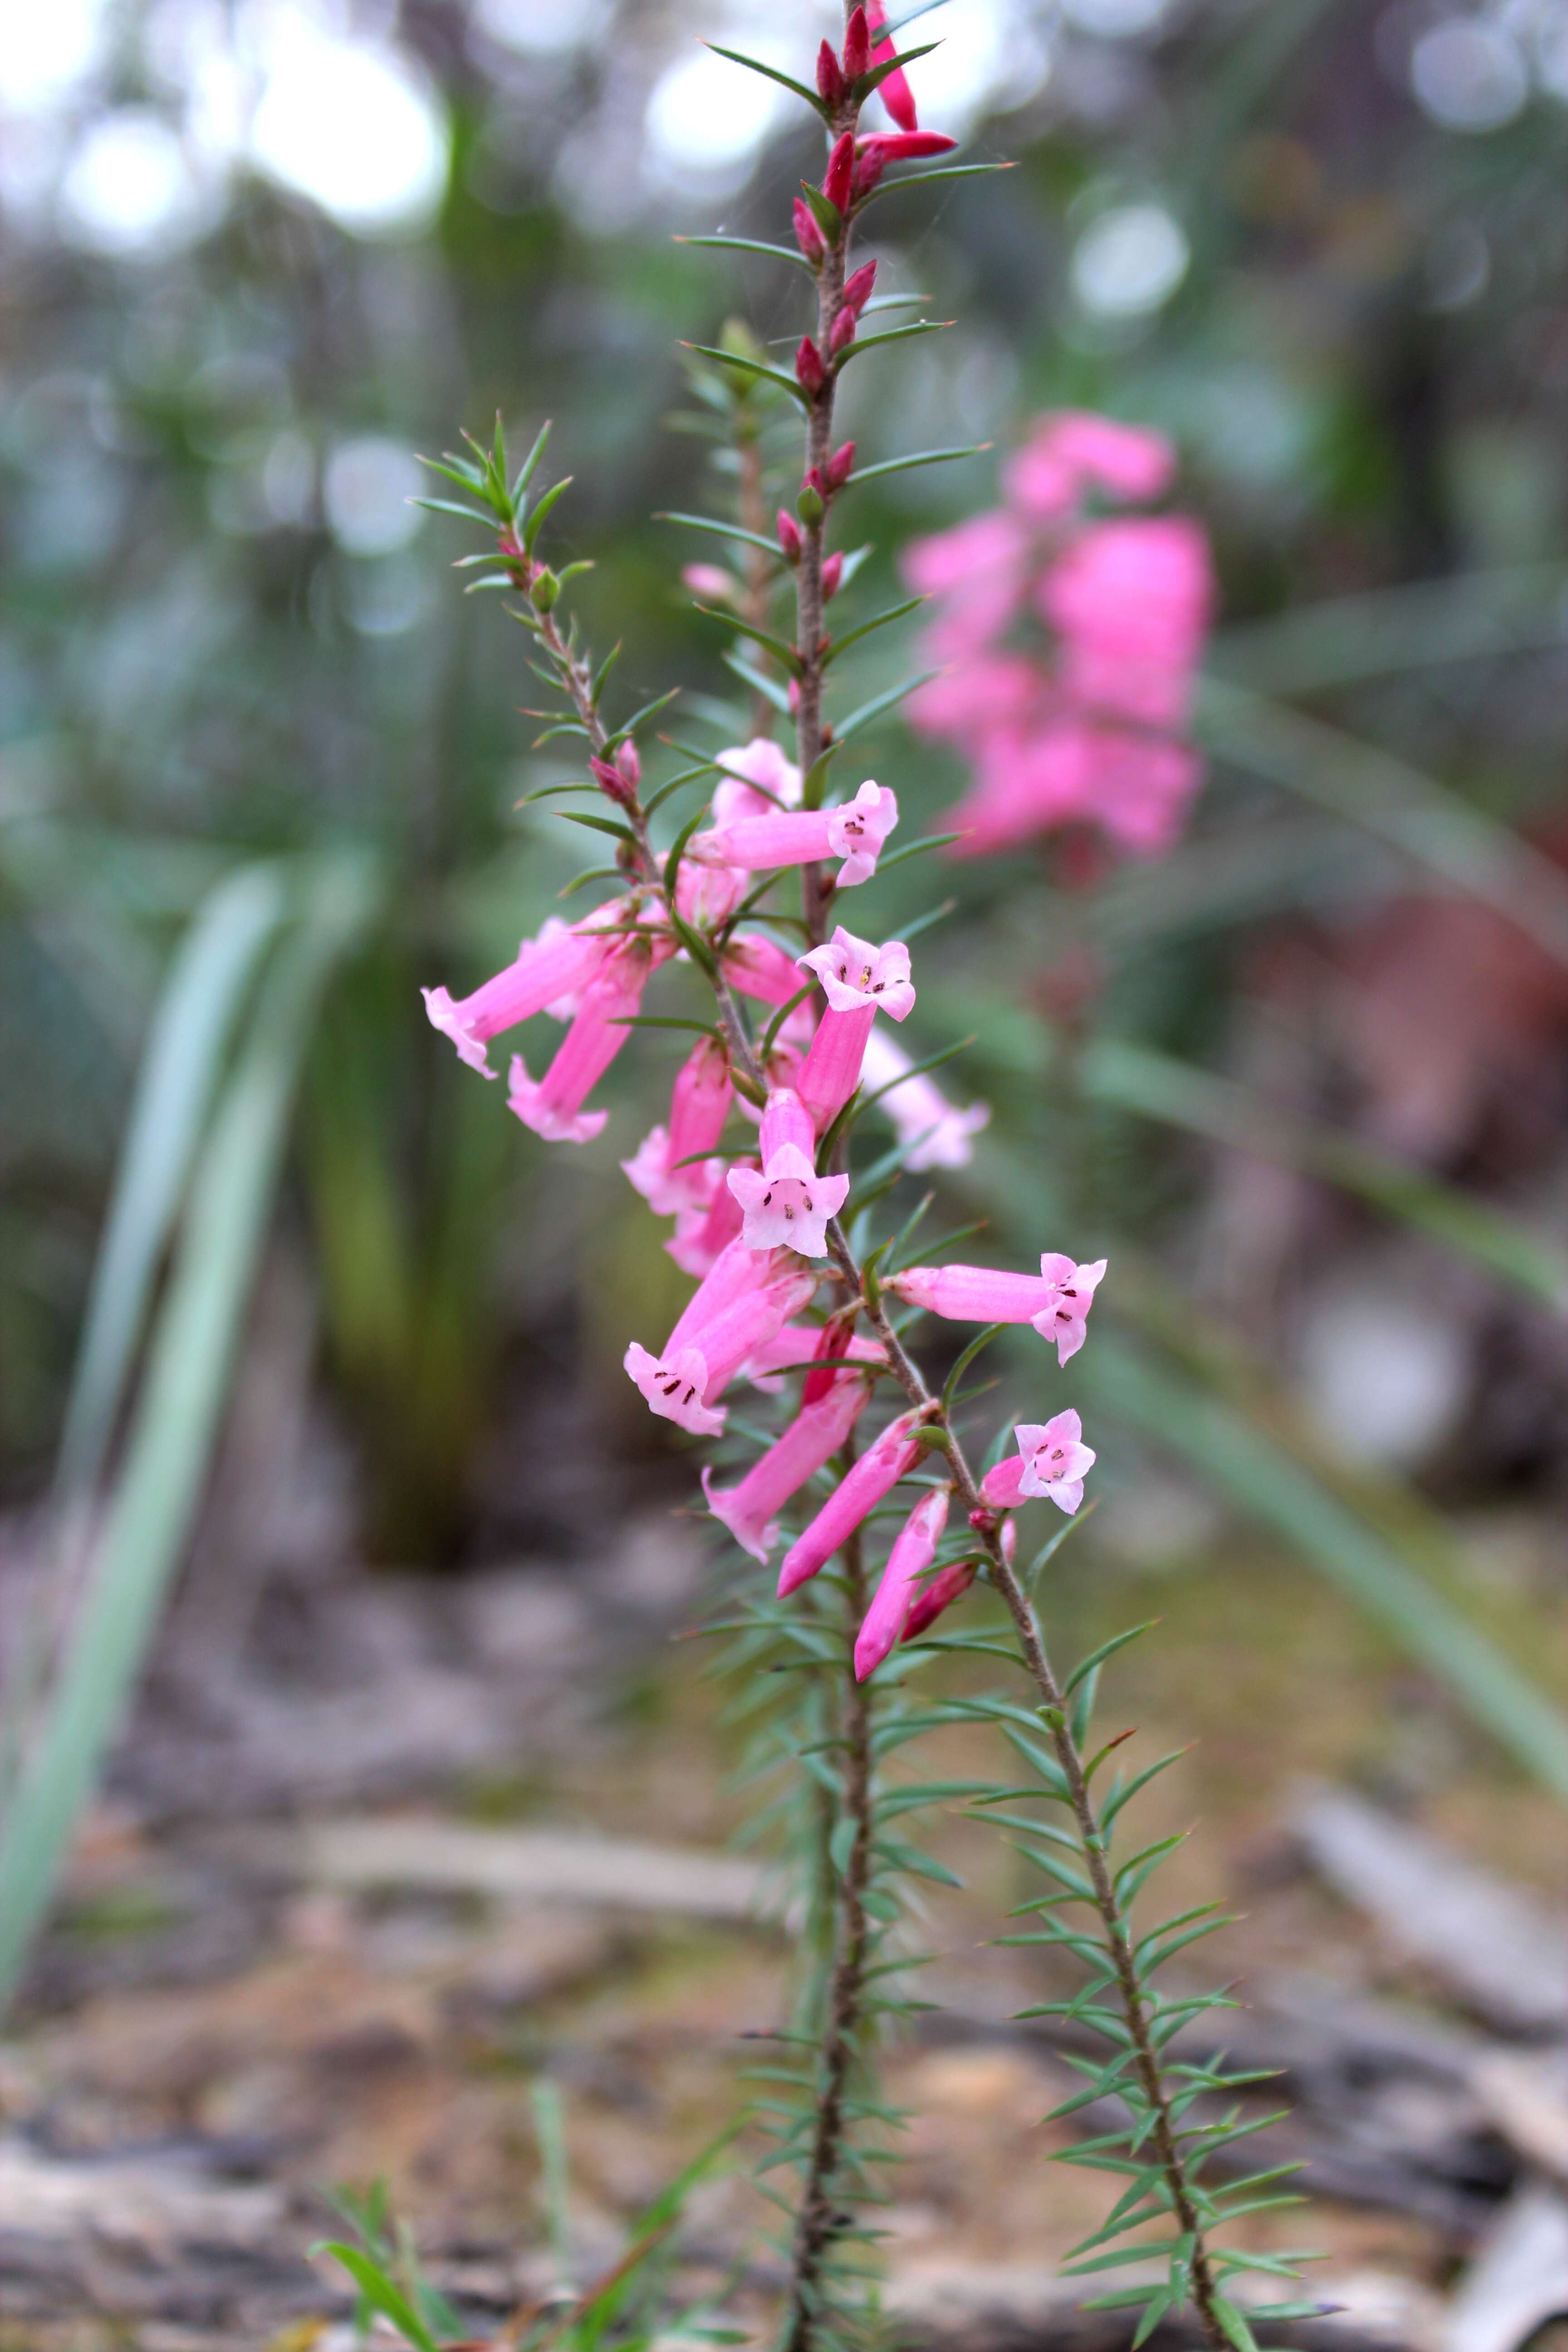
(839,465)
(858,288)
(807,235)
(832,577)
(832,1347)
(789,537)
(837,179)
(810,373)
(843,332)
(611,782)
(869,167)
(857,46)
(829,80)
(812,480)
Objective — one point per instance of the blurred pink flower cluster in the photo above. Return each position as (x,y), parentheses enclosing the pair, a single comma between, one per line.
(1083,724)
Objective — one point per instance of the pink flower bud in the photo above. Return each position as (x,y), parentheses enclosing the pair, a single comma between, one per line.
(837,179)
(875,1475)
(789,537)
(629,764)
(858,288)
(607,775)
(829,80)
(832,577)
(810,373)
(914,1552)
(857,45)
(839,465)
(895,147)
(807,235)
(841,334)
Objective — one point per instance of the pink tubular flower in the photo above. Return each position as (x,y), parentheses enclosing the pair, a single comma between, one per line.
(933,1131)
(897,96)
(914,1548)
(750,1509)
(755,778)
(758,967)
(685,1382)
(786,1204)
(1051,1461)
(1131,599)
(552,1105)
(878,1471)
(855,832)
(855,975)
(831,1071)
(664,1170)
(1055,1302)
(1075,449)
(875,153)
(558,964)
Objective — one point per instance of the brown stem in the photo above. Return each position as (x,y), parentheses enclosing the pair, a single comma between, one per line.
(818,2220)
(1091,1837)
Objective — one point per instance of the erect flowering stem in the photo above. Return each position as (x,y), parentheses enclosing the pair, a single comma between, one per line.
(1091,1837)
(817,2216)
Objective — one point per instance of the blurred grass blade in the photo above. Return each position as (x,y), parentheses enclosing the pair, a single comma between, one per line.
(1475,616)
(1260,1475)
(1160,1087)
(185,1051)
(1430,823)
(179,1411)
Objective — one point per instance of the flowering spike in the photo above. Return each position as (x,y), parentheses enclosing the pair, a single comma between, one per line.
(810,373)
(914,1548)
(878,1471)
(839,175)
(1051,1461)
(786,1204)
(749,1509)
(807,235)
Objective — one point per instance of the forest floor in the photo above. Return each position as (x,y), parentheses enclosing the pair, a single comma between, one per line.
(239,2011)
